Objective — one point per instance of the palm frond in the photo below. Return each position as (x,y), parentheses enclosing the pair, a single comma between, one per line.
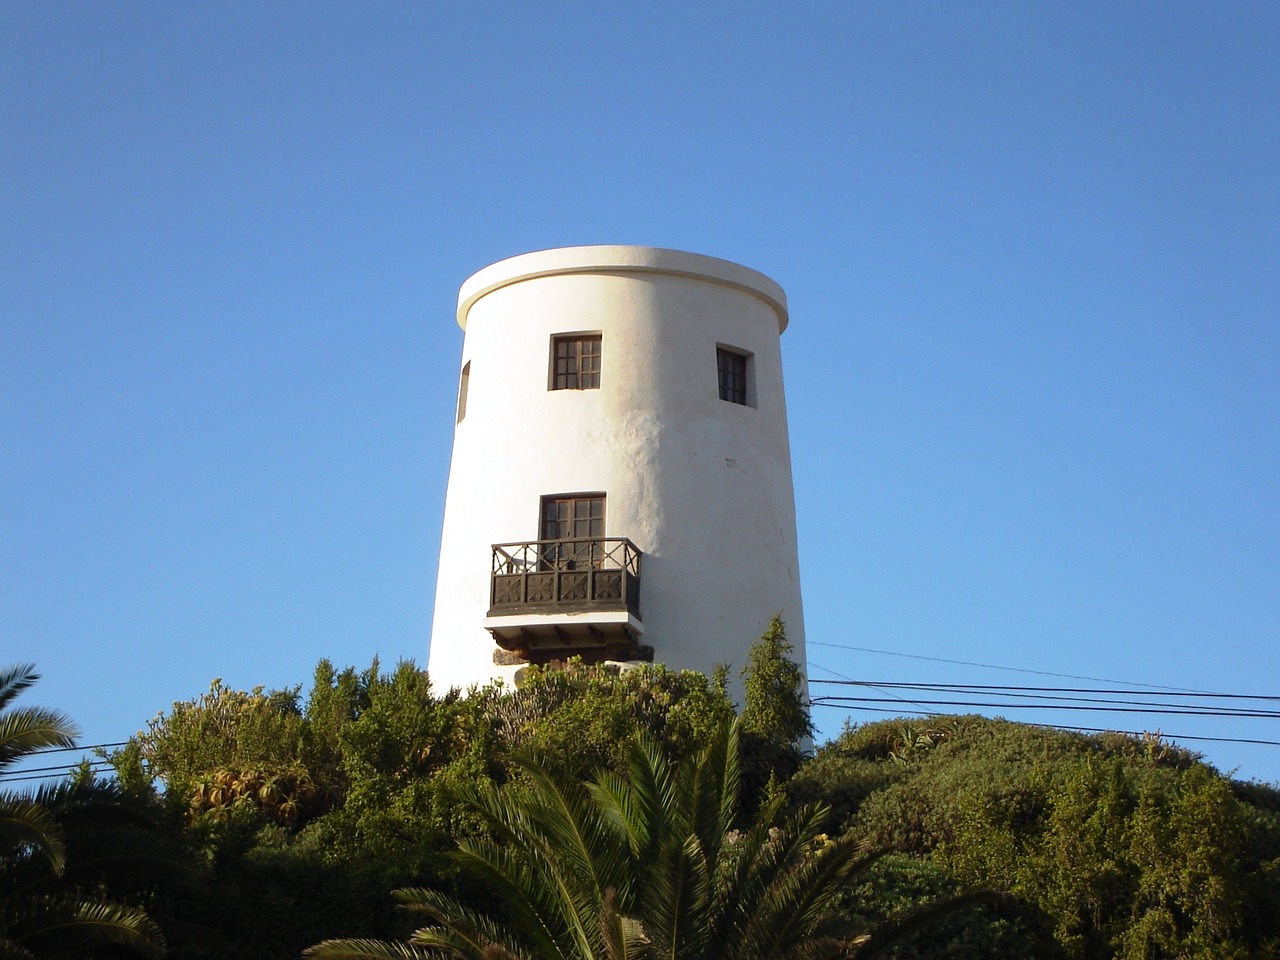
(534,903)
(65,924)
(743,873)
(28,826)
(461,929)
(552,905)
(87,798)
(624,936)
(677,899)
(717,783)
(15,679)
(26,730)
(12,951)
(626,805)
(777,885)
(560,848)
(801,898)
(824,948)
(457,944)
(364,950)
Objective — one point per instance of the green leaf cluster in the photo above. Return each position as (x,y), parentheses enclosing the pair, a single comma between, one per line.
(1117,847)
(775,717)
(582,716)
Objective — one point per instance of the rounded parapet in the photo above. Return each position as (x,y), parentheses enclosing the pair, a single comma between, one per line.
(620,259)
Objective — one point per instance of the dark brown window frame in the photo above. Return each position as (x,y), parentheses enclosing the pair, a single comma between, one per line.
(576,539)
(734,374)
(588,500)
(576,359)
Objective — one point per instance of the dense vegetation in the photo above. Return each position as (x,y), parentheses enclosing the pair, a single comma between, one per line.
(63,846)
(1111,846)
(280,820)
(644,864)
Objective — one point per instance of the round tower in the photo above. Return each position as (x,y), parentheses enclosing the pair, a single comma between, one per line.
(620,487)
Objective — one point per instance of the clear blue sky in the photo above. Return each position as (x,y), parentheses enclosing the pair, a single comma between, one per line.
(1032,253)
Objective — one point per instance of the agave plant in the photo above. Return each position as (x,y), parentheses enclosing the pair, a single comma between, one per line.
(42,914)
(645,865)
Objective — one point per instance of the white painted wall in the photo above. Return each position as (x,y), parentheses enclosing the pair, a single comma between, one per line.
(702,486)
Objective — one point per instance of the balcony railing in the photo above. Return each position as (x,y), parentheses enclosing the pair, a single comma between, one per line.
(565,576)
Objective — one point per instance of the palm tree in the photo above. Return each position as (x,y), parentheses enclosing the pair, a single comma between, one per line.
(41,913)
(646,865)
(24,823)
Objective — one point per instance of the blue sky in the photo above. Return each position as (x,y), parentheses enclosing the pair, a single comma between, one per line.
(1032,253)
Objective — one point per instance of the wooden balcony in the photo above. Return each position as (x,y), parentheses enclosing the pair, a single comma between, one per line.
(562,596)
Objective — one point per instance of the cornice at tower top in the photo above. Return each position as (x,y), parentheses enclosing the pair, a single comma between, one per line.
(620,259)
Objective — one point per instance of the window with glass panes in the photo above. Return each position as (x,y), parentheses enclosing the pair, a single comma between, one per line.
(575,362)
(573,518)
(732,370)
(579,519)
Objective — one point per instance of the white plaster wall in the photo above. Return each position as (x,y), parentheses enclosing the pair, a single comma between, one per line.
(702,486)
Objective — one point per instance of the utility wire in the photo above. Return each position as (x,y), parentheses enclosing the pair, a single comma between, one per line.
(842,677)
(1057,695)
(1176,711)
(1054,726)
(87,746)
(1024,692)
(61,766)
(992,666)
(984,686)
(1153,706)
(39,773)
(97,766)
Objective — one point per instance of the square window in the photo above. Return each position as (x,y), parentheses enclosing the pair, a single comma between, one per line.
(575,362)
(731,369)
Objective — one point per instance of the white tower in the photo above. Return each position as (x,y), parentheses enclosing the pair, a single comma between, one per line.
(620,486)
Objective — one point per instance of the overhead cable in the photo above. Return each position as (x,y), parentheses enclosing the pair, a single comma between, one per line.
(991,666)
(1055,726)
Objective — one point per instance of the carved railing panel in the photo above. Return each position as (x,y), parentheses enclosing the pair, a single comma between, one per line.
(540,576)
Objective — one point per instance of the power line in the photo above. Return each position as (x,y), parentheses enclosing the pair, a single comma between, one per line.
(851,680)
(1115,707)
(87,746)
(1031,693)
(96,766)
(1062,697)
(985,686)
(1055,726)
(49,773)
(993,666)
(61,766)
